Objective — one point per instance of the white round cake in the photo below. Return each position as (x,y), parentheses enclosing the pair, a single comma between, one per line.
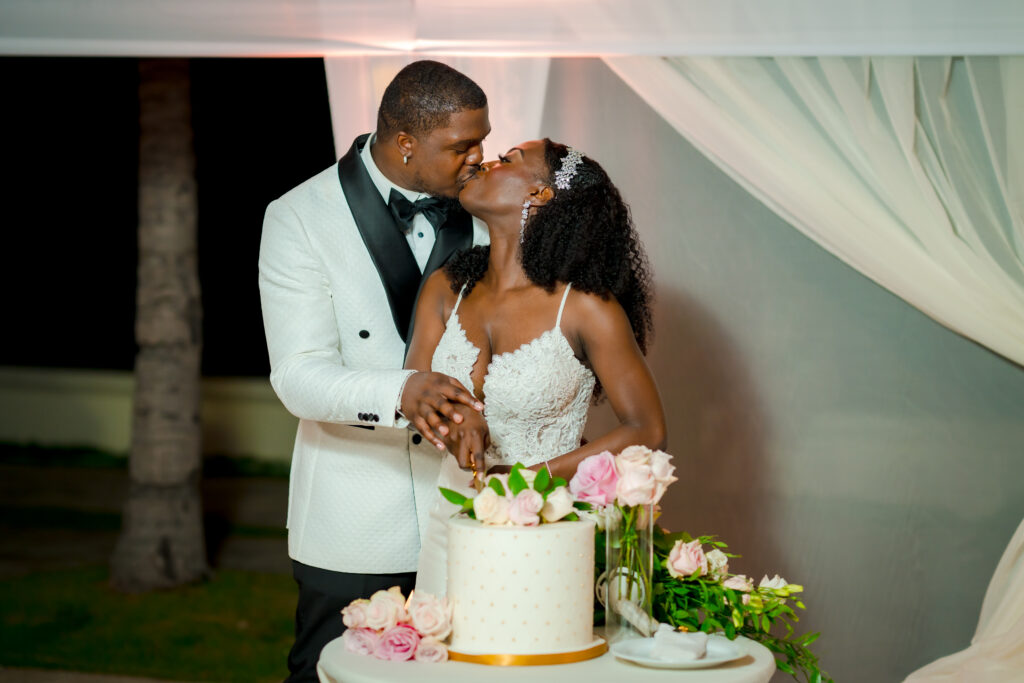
(521,590)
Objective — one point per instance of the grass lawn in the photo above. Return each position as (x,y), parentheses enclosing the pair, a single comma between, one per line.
(235,627)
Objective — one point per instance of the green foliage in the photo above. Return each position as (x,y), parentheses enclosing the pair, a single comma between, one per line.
(542,484)
(453,497)
(236,627)
(516,480)
(703,604)
(496,485)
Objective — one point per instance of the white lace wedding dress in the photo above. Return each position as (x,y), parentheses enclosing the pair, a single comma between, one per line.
(536,401)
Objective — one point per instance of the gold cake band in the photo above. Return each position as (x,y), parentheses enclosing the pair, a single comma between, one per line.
(531,660)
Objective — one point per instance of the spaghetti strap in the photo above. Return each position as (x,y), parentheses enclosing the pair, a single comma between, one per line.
(457,302)
(565,295)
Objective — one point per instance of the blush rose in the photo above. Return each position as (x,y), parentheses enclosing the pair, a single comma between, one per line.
(595,479)
(686,559)
(397,644)
(525,508)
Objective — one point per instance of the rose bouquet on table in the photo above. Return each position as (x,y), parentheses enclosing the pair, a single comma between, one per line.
(683,585)
(390,627)
(520,498)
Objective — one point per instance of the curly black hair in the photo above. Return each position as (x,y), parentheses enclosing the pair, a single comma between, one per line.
(423,96)
(583,236)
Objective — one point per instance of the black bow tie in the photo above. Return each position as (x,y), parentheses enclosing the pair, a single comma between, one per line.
(434,209)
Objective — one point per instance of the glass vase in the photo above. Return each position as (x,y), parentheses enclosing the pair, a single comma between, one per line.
(629,569)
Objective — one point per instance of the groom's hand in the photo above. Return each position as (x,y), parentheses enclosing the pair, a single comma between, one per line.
(429,400)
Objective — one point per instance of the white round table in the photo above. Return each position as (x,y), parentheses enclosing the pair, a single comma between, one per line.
(336,665)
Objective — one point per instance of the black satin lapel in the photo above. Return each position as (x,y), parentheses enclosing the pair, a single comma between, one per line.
(388,248)
(455,234)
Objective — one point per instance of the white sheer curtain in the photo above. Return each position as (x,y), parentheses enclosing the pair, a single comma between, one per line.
(996,653)
(332,28)
(910,170)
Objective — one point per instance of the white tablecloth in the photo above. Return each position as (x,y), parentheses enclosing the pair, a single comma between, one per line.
(338,666)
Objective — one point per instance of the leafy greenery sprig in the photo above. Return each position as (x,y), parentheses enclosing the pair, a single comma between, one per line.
(702,603)
(543,483)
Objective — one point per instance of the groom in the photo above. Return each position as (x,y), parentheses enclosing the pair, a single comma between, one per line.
(342,257)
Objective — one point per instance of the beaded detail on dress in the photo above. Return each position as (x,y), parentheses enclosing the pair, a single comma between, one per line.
(536,397)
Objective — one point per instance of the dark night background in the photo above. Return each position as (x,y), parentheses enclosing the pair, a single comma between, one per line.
(70,131)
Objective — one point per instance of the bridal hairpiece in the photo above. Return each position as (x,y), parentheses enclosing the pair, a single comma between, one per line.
(564,175)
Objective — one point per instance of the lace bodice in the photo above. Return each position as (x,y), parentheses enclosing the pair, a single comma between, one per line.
(536,397)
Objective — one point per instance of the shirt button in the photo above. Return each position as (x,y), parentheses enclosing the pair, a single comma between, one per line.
(416,438)
(364,334)
(419,234)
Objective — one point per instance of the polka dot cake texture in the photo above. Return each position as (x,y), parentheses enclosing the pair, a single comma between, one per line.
(521,590)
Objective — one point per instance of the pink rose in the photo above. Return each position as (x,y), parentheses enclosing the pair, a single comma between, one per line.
(687,558)
(429,615)
(740,582)
(386,609)
(595,479)
(397,644)
(354,616)
(431,650)
(362,641)
(636,485)
(525,508)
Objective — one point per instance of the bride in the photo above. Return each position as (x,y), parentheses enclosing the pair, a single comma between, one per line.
(554,313)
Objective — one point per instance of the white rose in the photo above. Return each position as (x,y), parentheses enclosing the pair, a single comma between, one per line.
(354,615)
(386,609)
(740,582)
(558,504)
(636,485)
(490,508)
(634,455)
(662,469)
(485,504)
(501,479)
(430,616)
(718,564)
(776,582)
(529,476)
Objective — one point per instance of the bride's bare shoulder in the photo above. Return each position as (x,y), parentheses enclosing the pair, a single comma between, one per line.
(587,314)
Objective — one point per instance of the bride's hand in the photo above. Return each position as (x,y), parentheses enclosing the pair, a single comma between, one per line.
(468,439)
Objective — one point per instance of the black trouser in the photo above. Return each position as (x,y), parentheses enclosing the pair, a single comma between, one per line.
(322,594)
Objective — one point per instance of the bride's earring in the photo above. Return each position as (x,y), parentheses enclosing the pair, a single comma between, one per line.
(405,160)
(522,221)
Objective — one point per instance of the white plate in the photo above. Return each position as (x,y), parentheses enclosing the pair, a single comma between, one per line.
(638,650)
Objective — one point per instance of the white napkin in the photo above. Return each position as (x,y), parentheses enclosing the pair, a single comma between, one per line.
(671,645)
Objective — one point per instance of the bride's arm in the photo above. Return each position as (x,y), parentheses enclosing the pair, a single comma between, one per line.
(603,336)
(464,431)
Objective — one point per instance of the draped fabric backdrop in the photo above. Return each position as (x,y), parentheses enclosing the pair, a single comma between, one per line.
(910,170)
(824,427)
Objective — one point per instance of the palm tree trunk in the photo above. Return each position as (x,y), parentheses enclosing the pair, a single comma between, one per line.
(161,543)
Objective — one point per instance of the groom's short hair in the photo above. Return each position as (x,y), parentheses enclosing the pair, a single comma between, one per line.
(423,96)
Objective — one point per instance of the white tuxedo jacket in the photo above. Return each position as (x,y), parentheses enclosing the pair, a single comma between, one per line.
(338,284)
